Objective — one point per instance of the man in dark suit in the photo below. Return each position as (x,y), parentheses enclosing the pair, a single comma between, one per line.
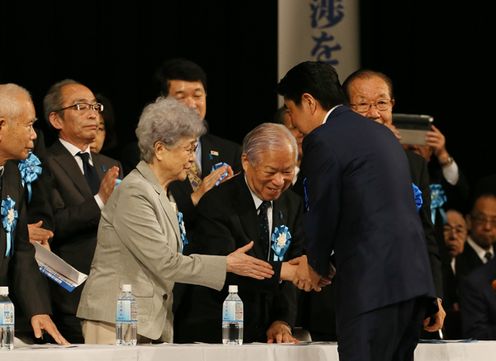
(187,82)
(481,224)
(18,268)
(82,183)
(478,303)
(359,204)
(227,219)
(370,93)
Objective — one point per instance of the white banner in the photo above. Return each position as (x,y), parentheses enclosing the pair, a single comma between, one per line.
(324,30)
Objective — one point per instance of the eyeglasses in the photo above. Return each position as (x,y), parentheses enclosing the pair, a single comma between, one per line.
(191,149)
(381,105)
(84,107)
(481,220)
(455,229)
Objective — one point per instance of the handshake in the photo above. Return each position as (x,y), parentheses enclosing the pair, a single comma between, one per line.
(298,271)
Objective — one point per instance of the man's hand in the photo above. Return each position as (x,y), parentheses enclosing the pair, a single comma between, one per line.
(437,318)
(305,277)
(107,184)
(44,322)
(209,182)
(288,271)
(39,234)
(244,265)
(280,332)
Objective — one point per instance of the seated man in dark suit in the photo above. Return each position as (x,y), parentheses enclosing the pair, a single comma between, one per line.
(227,219)
(18,268)
(481,224)
(82,183)
(187,82)
(478,303)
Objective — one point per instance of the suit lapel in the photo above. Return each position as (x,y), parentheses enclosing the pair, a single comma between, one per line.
(99,166)
(248,216)
(170,212)
(68,164)
(210,155)
(11,189)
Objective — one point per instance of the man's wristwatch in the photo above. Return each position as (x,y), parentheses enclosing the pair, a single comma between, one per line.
(447,162)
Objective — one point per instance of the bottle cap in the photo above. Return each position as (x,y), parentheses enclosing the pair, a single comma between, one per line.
(126,288)
(4,290)
(233,288)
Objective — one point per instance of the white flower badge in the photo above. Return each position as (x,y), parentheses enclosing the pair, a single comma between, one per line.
(281,239)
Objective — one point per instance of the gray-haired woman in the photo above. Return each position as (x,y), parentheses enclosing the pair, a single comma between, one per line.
(140,236)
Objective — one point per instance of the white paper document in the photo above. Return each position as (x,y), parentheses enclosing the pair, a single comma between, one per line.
(57,269)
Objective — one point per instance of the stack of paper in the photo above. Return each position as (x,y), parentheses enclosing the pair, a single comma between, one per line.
(57,269)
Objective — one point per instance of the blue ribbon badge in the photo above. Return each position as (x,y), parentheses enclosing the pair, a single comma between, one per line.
(281,239)
(182,229)
(223,175)
(417,195)
(9,221)
(438,199)
(30,169)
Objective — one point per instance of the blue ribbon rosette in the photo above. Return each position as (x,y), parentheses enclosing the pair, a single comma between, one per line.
(438,199)
(30,169)
(281,239)
(417,195)
(9,221)
(182,229)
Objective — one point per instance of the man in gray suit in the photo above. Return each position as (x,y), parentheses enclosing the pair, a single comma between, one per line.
(82,183)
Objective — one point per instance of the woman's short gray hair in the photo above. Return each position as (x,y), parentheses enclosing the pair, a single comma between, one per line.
(166,120)
(268,136)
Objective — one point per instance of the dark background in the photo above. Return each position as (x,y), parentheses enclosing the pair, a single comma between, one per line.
(437,55)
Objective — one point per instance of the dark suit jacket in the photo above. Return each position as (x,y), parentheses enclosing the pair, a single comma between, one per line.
(227,220)
(478,303)
(76,217)
(318,313)
(420,176)
(39,207)
(28,288)
(467,261)
(360,205)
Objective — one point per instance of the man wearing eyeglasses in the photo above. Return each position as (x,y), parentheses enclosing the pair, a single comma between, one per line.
(18,268)
(370,93)
(481,223)
(82,183)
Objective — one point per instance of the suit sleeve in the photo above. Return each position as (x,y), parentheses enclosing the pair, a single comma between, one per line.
(135,222)
(322,192)
(30,287)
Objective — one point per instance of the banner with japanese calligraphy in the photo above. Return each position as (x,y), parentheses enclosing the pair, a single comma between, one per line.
(324,30)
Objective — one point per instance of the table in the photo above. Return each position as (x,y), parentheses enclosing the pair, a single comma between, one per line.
(473,351)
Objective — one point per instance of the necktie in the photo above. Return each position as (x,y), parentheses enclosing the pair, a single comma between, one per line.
(194,176)
(263,222)
(488,256)
(89,173)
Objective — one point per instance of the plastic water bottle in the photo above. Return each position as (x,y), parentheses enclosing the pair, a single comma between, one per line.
(126,318)
(6,320)
(232,318)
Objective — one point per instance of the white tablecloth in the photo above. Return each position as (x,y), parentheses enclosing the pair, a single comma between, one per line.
(474,351)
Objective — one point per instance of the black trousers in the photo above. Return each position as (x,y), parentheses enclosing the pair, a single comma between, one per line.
(390,333)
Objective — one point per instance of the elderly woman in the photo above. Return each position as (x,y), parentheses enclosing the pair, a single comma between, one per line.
(140,238)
